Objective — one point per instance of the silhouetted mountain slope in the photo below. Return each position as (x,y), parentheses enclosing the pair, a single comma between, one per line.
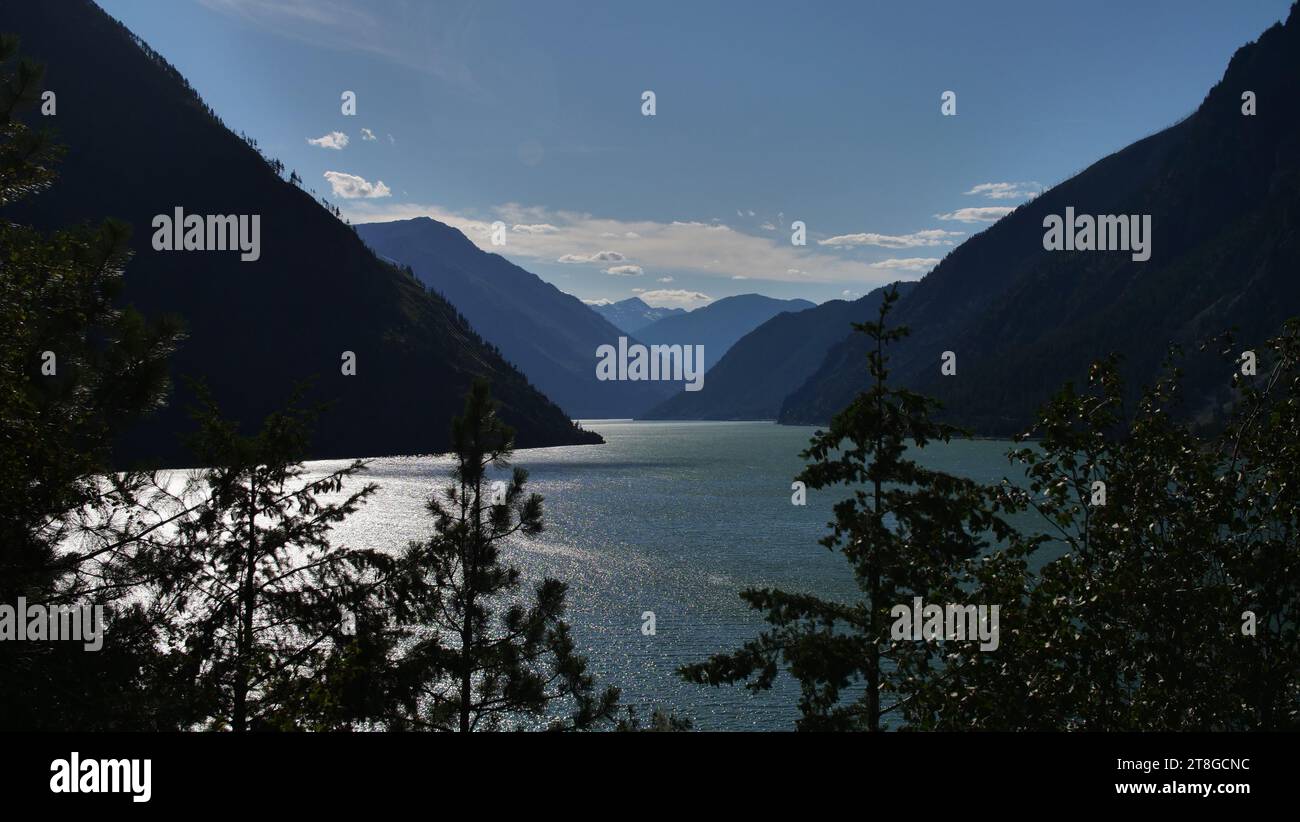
(549,335)
(633,314)
(141,143)
(763,367)
(718,325)
(1223,191)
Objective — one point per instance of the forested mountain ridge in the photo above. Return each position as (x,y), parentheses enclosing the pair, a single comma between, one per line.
(1223,192)
(763,367)
(549,335)
(255,328)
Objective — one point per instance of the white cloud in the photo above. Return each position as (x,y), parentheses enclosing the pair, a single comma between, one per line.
(739,277)
(601,301)
(932,236)
(368,135)
(674,298)
(351,187)
(664,280)
(1008,191)
(983,214)
(598,257)
(624,270)
(908,264)
(538,228)
(675,248)
(336,140)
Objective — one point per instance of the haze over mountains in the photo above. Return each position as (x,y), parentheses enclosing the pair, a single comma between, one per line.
(1223,191)
(549,335)
(633,314)
(255,328)
(718,325)
(553,336)
(755,376)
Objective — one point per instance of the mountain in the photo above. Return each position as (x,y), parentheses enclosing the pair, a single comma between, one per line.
(254,328)
(632,314)
(767,364)
(1223,192)
(718,325)
(549,335)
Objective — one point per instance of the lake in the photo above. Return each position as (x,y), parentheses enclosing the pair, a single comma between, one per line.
(674,518)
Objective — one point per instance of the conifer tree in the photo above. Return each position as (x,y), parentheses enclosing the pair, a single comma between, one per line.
(905,531)
(263,600)
(1173,600)
(76,369)
(484,656)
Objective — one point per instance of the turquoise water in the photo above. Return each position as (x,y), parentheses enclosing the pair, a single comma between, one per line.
(674,518)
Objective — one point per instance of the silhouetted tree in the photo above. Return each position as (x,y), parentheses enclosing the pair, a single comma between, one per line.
(75,371)
(262,597)
(1166,542)
(482,656)
(905,531)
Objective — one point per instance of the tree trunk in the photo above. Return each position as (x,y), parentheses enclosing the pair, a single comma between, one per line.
(873,655)
(239,718)
(467,625)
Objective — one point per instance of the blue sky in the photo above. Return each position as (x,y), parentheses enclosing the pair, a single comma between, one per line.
(766,113)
